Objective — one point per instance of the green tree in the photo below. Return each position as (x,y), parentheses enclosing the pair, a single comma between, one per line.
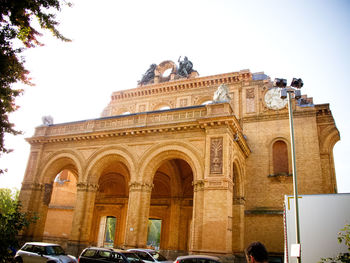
(12,221)
(18,32)
(343,236)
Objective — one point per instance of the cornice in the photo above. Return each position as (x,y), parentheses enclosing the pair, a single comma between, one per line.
(182,84)
(279,115)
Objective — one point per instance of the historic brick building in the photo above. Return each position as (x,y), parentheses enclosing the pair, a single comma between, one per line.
(212,174)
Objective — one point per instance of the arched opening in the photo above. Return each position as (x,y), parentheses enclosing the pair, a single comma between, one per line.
(237,210)
(111,203)
(58,223)
(171,206)
(280,158)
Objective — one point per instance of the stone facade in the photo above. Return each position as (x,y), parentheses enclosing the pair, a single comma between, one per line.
(212,172)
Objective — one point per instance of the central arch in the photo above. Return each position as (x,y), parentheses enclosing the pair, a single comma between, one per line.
(171,169)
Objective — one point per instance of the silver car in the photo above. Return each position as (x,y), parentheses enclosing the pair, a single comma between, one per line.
(197,259)
(150,255)
(39,252)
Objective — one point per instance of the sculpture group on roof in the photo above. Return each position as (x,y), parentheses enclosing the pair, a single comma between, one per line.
(184,70)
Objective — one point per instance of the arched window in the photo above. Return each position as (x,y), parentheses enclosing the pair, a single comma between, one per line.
(280,158)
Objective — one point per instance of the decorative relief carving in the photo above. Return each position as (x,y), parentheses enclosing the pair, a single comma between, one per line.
(250,100)
(142,187)
(85,187)
(198,185)
(47,194)
(183,102)
(216,155)
(142,108)
(240,200)
(250,93)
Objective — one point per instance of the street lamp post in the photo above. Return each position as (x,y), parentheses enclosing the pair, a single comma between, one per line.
(286,92)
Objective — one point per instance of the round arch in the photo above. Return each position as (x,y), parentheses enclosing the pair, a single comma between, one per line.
(270,147)
(204,99)
(59,161)
(160,153)
(329,137)
(104,156)
(161,106)
(238,174)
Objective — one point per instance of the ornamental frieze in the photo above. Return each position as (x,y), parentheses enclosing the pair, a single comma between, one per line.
(216,151)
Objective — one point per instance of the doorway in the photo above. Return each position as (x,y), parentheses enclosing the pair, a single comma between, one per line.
(154,230)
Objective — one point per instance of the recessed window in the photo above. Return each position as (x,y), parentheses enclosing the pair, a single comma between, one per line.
(280,158)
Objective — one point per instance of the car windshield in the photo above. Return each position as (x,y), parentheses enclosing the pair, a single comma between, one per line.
(54,250)
(132,257)
(157,256)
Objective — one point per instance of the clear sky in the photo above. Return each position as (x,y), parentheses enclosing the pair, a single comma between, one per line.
(114,43)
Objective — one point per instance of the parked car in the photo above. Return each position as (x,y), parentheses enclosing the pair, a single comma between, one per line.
(37,252)
(100,255)
(150,255)
(197,259)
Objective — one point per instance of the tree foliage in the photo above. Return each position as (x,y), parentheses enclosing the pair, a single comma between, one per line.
(18,31)
(12,221)
(343,236)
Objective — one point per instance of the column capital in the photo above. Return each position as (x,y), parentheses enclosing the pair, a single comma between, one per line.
(198,185)
(140,186)
(86,187)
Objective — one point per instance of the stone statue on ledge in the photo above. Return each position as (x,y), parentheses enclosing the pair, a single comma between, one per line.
(47,120)
(148,76)
(221,94)
(185,67)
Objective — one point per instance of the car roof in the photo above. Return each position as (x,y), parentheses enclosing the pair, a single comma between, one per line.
(109,249)
(197,256)
(41,244)
(142,249)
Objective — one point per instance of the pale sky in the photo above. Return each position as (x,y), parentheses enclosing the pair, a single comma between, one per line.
(114,42)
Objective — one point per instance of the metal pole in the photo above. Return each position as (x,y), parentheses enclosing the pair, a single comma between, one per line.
(296,207)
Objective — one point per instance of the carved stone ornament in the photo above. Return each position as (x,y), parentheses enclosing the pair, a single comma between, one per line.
(47,120)
(216,155)
(250,93)
(47,194)
(222,94)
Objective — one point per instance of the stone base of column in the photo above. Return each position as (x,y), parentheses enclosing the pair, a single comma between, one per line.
(75,247)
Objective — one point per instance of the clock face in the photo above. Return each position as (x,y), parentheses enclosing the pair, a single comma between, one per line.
(273,99)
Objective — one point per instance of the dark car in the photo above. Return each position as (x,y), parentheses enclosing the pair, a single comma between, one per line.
(197,259)
(97,254)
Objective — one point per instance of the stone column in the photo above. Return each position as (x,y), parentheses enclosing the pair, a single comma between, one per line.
(238,224)
(82,219)
(138,212)
(41,206)
(174,223)
(217,218)
(197,218)
(30,197)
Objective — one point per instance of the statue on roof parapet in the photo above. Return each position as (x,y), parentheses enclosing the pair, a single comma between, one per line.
(185,67)
(149,75)
(221,94)
(154,72)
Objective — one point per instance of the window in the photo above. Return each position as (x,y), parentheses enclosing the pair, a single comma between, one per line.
(89,253)
(280,158)
(105,254)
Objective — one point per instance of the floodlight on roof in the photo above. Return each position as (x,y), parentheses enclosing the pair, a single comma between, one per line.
(281,83)
(297,83)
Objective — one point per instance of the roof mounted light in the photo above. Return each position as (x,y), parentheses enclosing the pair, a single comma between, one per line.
(297,83)
(280,83)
